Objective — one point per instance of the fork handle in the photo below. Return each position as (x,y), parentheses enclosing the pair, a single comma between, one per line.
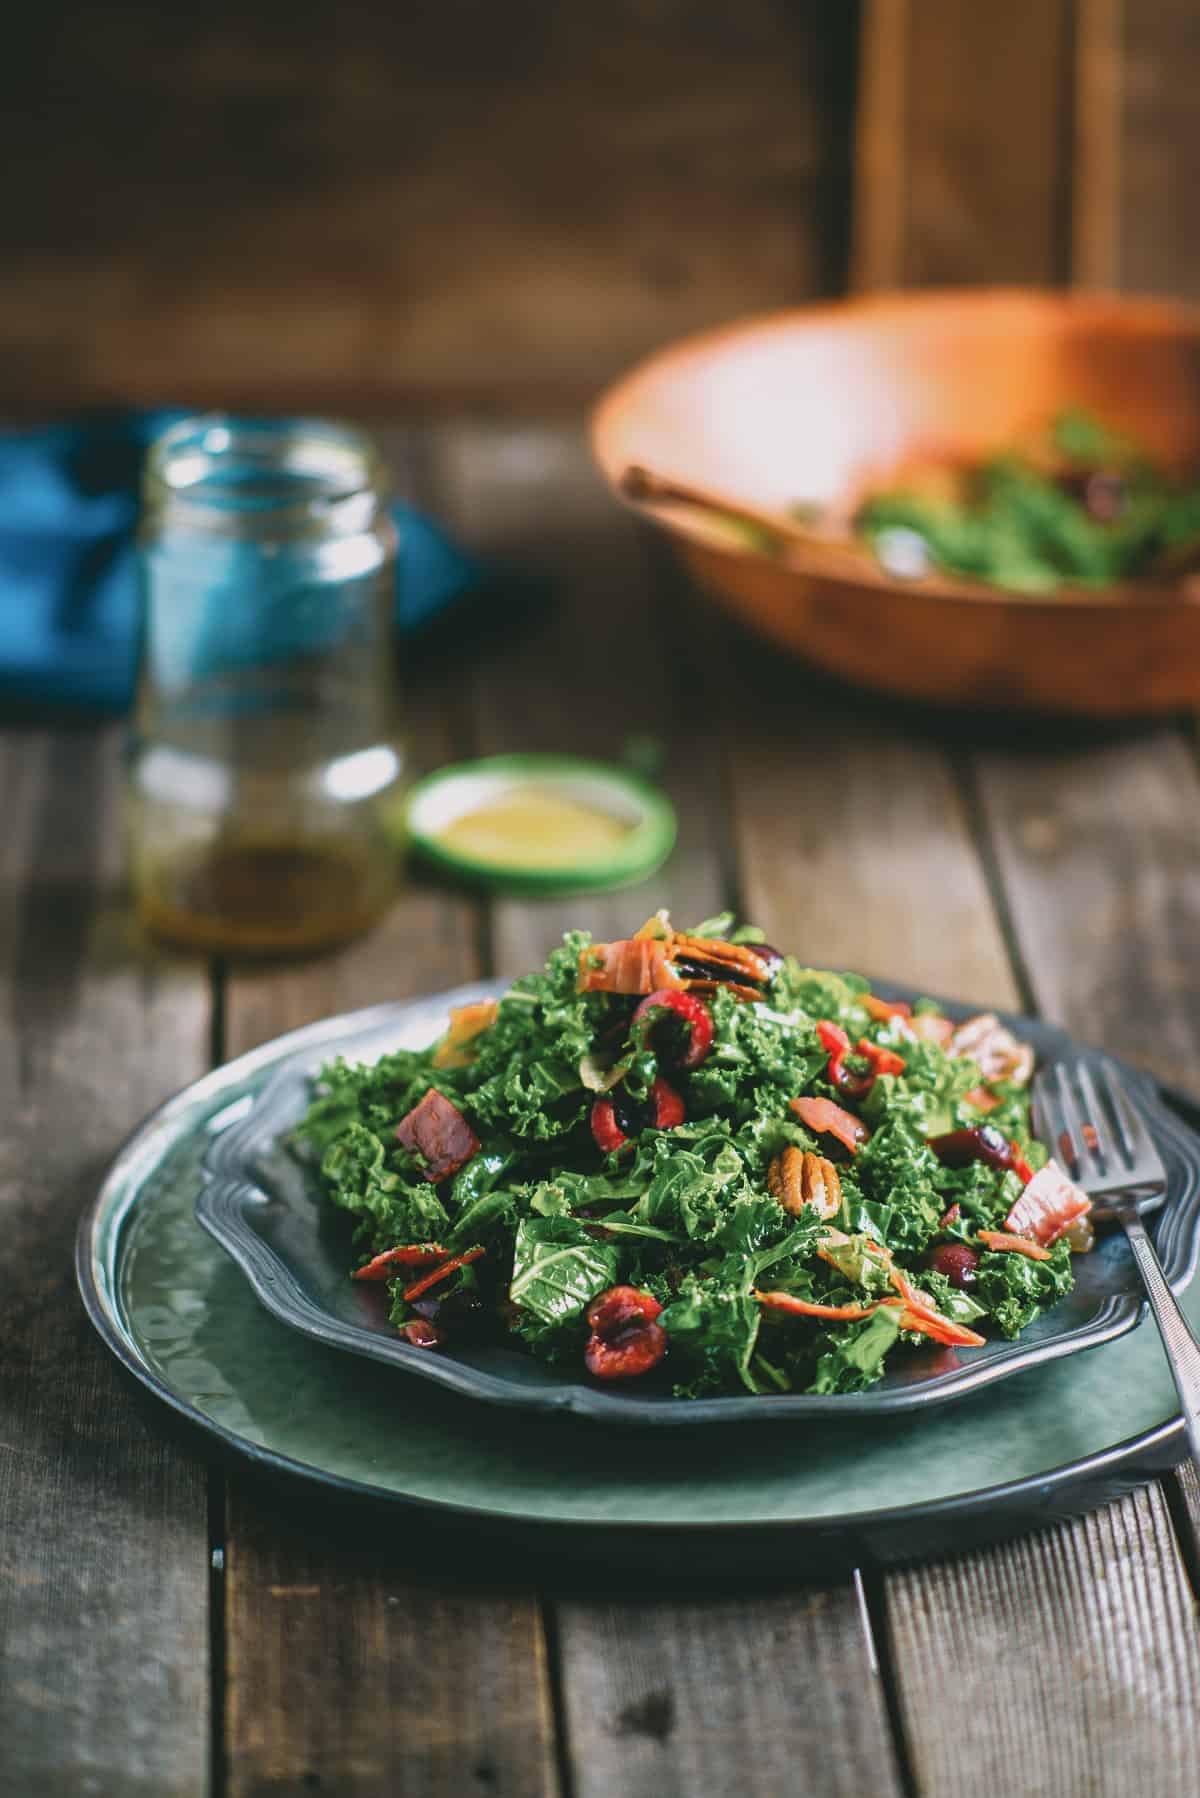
(1183,1351)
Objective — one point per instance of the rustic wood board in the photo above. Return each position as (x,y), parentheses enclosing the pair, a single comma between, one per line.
(893,877)
(103,1529)
(759,1695)
(659,1697)
(963,149)
(294,207)
(1062,1666)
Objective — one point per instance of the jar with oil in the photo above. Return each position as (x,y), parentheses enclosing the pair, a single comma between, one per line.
(265,761)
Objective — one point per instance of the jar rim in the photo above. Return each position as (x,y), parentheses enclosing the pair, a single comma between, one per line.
(257,476)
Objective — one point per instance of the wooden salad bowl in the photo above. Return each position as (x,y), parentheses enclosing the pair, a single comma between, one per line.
(823,404)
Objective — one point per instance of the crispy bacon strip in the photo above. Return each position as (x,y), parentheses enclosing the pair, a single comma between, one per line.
(439,1273)
(1049,1205)
(413,1254)
(828,1119)
(647,962)
(436,1131)
(631,965)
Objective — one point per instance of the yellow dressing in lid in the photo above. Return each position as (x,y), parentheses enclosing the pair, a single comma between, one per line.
(534,827)
(541,823)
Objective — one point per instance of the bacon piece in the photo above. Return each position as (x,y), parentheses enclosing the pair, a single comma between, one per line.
(439,1273)
(466,1023)
(412,1254)
(647,962)
(995,1050)
(436,1131)
(631,965)
(1049,1205)
(930,1027)
(828,1119)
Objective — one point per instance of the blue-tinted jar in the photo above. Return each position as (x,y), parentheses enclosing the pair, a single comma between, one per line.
(265,758)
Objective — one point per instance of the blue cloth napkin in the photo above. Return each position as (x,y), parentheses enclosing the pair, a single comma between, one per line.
(69,602)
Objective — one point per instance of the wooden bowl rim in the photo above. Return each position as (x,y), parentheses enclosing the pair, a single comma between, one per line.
(1140,315)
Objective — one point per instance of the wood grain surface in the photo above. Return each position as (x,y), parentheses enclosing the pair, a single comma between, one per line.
(671,1699)
(276,203)
(347,1660)
(103,1528)
(1062,1666)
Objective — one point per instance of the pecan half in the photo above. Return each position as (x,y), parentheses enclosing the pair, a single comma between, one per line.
(798,1178)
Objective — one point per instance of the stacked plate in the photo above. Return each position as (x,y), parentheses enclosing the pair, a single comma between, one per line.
(211,1265)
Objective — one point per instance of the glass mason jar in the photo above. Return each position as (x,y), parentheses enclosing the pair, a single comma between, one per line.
(264,757)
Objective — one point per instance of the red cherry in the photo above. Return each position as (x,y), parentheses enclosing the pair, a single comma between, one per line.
(694,1014)
(621,1305)
(956,1262)
(605,1128)
(625,1340)
(668,1106)
(638,1350)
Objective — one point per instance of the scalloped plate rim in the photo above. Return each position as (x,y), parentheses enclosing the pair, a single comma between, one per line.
(229,1195)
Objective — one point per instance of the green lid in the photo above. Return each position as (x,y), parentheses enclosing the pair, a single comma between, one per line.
(540,823)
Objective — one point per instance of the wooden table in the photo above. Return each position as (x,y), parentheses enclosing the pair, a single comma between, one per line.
(169,1626)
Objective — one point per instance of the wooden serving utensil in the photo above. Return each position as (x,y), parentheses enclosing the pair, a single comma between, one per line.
(641,486)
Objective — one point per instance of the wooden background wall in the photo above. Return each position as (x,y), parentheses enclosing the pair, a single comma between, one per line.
(494,204)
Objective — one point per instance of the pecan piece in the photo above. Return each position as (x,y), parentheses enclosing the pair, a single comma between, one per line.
(798,1178)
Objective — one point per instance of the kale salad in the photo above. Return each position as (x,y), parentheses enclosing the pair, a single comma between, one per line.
(687,1158)
(1084,507)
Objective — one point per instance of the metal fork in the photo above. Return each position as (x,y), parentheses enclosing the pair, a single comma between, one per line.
(1082,1111)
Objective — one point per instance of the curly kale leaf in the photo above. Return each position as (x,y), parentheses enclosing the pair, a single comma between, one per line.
(857,1358)
(1014,1289)
(558,1268)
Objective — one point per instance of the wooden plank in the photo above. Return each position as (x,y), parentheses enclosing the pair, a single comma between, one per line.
(976,185)
(609,670)
(1096,161)
(1062,1666)
(407,203)
(853,840)
(347,1674)
(1097,851)
(103,1529)
(881,145)
(757,1696)
(869,891)
(345,1669)
(660,1697)
(1159,53)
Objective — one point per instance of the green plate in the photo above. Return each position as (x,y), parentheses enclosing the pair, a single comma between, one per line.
(180,1315)
(450,792)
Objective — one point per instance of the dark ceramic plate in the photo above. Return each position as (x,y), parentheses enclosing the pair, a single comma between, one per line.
(266,1209)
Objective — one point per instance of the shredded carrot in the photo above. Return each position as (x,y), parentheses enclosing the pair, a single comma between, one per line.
(933,1324)
(1019,1245)
(439,1273)
(784,1301)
